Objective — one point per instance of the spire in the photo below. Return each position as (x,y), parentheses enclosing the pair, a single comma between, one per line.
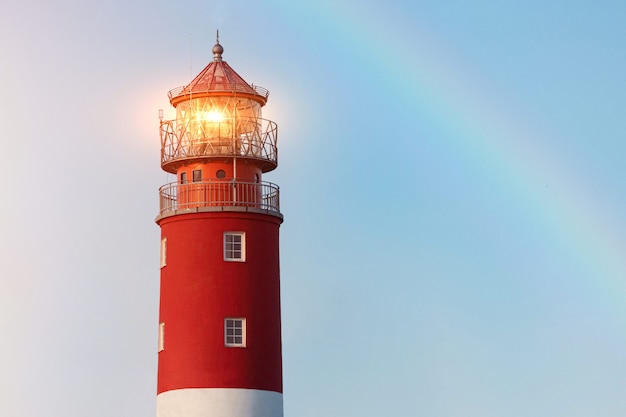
(217,49)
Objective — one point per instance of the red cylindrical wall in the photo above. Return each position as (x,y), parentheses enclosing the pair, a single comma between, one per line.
(199,289)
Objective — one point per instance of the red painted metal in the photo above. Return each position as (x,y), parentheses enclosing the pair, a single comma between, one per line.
(218,79)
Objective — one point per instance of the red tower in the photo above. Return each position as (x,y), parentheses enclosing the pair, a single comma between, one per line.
(219,319)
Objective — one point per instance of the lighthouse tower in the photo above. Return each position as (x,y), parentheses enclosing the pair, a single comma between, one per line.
(219,319)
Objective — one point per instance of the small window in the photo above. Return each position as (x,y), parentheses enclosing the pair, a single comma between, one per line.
(183,178)
(220,174)
(197,175)
(235,246)
(163,251)
(161,336)
(235,332)
(257,178)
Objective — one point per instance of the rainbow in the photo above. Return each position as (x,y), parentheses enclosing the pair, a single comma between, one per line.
(579,219)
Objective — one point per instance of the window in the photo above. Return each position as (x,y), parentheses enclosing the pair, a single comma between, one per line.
(220,174)
(163,251)
(161,336)
(197,175)
(235,246)
(183,178)
(235,332)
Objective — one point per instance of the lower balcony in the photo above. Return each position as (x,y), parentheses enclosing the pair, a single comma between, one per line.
(230,195)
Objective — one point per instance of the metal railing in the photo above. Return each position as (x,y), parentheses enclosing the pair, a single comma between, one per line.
(221,87)
(219,195)
(246,137)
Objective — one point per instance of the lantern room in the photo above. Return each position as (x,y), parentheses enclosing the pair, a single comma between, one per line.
(218,115)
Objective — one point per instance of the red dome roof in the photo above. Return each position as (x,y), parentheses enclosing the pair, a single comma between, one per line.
(218,77)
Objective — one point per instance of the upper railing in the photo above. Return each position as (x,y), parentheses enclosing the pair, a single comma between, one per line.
(225,195)
(221,87)
(254,138)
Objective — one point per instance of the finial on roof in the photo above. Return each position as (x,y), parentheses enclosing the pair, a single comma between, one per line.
(217,49)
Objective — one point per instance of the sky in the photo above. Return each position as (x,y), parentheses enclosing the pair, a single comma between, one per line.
(452,182)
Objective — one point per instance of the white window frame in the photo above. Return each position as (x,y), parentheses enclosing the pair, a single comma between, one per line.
(163,252)
(231,254)
(230,323)
(161,336)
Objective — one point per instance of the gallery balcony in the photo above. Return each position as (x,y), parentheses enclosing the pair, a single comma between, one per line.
(227,195)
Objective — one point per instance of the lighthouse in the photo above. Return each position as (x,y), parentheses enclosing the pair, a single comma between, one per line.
(219,343)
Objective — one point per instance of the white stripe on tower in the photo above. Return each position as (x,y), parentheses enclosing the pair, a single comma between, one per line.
(219,402)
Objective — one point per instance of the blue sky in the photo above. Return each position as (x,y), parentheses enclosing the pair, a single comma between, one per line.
(451,177)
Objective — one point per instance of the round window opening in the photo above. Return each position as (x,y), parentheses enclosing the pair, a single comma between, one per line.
(220,174)
(256,178)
